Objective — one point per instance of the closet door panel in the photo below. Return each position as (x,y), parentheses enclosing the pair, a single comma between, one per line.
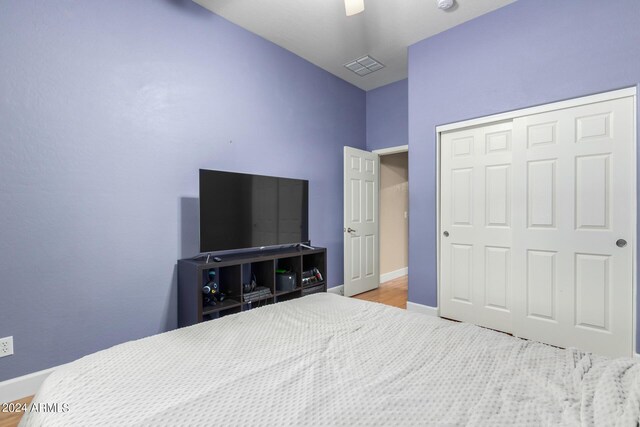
(578,198)
(476,217)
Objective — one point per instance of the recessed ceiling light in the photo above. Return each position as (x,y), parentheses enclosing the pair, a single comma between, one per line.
(365,65)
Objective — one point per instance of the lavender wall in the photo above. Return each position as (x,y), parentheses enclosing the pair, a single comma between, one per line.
(107,110)
(387,116)
(528,53)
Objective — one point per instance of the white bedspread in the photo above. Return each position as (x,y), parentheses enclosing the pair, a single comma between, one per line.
(329,360)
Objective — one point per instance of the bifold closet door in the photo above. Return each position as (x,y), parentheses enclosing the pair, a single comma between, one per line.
(476,226)
(572,235)
(536,226)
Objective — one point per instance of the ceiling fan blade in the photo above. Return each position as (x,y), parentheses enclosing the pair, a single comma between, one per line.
(353,7)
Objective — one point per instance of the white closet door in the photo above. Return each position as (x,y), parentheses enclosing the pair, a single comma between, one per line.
(574,201)
(536,226)
(476,225)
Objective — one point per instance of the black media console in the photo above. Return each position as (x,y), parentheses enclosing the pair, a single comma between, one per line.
(238,269)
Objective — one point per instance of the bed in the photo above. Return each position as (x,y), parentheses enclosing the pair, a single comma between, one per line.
(330,360)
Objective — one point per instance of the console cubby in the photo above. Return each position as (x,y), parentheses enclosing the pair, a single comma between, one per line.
(286,296)
(281,293)
(263,271)
(236,269)
(315,260)
(223,310)
(259,303)
(227,304)
(292,264)
(230,281)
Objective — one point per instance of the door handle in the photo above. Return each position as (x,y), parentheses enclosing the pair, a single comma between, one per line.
(350,230)
(621,243)
(445,234)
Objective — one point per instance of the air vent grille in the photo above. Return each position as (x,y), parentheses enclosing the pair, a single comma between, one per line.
(365,65)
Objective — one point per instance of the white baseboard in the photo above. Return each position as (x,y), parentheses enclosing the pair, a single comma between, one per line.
(24,386)
(394,274)
(339,290)
(637,355)
(420,308)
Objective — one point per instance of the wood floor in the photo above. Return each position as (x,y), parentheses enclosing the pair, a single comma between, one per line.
(393,292)
(12,419)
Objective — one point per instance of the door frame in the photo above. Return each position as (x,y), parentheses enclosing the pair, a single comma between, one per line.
(552,106)
(385,152)
(392,150)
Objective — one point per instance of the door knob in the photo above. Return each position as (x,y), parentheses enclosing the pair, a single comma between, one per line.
(621,243)
(350,230)
(445,234)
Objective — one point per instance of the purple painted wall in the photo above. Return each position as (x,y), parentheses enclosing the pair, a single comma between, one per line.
(387,116)
(107,111)
(528,53)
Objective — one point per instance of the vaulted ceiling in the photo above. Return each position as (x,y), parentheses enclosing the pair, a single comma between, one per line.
(320,31)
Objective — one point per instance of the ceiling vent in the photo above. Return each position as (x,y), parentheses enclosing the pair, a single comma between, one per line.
(365,65)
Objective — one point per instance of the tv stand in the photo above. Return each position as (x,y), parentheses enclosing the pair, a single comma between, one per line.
(236,269)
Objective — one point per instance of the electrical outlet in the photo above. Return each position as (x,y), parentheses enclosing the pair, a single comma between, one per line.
(6,346)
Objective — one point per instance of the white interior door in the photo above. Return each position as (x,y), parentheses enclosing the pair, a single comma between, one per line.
(361,221)
(536,220)
(476,197)
(575,201)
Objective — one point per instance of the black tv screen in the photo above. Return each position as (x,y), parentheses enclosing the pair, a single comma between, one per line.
(239,211)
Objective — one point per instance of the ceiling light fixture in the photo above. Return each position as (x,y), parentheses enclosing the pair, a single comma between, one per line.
(353,7)
(444,4)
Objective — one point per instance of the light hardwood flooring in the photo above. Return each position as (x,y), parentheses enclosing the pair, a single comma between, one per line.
(12,419)
(393,292)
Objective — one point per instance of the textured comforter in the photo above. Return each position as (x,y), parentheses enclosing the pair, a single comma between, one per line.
(329,360)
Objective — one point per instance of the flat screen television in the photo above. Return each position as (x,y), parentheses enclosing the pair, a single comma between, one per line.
(242,211)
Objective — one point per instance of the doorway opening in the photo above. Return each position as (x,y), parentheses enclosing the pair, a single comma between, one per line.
(394,227)
(376,224)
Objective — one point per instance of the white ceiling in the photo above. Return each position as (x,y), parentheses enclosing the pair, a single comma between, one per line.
(320,32)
